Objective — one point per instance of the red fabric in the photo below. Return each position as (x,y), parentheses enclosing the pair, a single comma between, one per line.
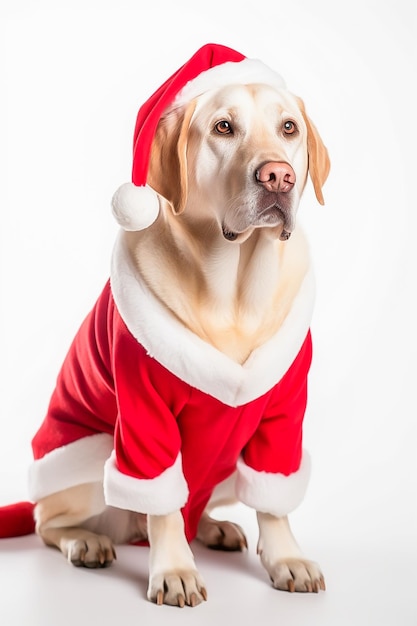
(109,384)
(16,520)
(149,114)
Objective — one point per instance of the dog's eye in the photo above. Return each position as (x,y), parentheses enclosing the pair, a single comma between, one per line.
(289,127)
(223,128)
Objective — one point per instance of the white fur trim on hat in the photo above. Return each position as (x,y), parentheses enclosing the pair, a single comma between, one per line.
(276,494)
(135,208)
(246,72)
(162,495)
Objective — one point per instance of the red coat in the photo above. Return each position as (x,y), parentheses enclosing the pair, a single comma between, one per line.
(173,443)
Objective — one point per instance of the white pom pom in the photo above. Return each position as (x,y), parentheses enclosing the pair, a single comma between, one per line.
(135,208)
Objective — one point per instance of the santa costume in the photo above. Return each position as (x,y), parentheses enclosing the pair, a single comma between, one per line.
(146,406)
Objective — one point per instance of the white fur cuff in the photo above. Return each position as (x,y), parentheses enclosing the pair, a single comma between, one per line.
(276,494)
(79,462)
(162,495)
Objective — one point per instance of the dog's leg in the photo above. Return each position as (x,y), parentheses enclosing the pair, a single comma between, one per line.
(58,522)
(173,577)
(283,559)
(77,522)
(221,535)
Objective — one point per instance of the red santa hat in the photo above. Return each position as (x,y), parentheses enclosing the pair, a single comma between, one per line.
(136,205)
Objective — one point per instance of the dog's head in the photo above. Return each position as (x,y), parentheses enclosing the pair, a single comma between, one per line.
(223,141)
(238,155)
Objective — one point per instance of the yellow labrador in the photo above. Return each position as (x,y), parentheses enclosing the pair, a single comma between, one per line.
(226,262)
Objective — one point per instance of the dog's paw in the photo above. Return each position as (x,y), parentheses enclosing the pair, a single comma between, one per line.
(221,535)
(92,551)
(296,575)
(177,588)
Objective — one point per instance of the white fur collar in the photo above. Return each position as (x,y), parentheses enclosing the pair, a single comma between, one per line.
(195,361)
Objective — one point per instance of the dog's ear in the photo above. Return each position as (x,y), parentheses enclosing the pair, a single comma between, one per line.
(318,158)
(168,163)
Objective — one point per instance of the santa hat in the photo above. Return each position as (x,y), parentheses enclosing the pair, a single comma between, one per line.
(136,205)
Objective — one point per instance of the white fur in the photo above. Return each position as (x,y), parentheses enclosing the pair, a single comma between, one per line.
(85,457)
(246,72)
(195,361)
(135,208)
(157,496)
(272,493)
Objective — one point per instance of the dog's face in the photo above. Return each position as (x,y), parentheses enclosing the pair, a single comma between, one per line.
(239,156)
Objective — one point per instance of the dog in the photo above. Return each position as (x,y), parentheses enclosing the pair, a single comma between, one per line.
(186,385)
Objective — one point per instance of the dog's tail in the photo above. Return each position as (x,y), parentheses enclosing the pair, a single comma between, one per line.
(17,520)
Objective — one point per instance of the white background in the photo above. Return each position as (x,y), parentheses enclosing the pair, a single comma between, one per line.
(73,75)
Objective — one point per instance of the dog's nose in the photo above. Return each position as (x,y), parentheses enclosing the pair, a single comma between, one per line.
(276,176)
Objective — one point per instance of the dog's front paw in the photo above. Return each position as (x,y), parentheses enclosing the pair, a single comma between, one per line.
(177,588)
(296,575)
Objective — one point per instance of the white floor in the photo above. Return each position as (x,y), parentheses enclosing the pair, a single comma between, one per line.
(370,582)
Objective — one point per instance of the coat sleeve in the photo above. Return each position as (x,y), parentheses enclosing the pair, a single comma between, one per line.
(273,470)
(144,472)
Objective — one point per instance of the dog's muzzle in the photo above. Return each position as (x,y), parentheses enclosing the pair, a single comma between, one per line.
(275,180)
